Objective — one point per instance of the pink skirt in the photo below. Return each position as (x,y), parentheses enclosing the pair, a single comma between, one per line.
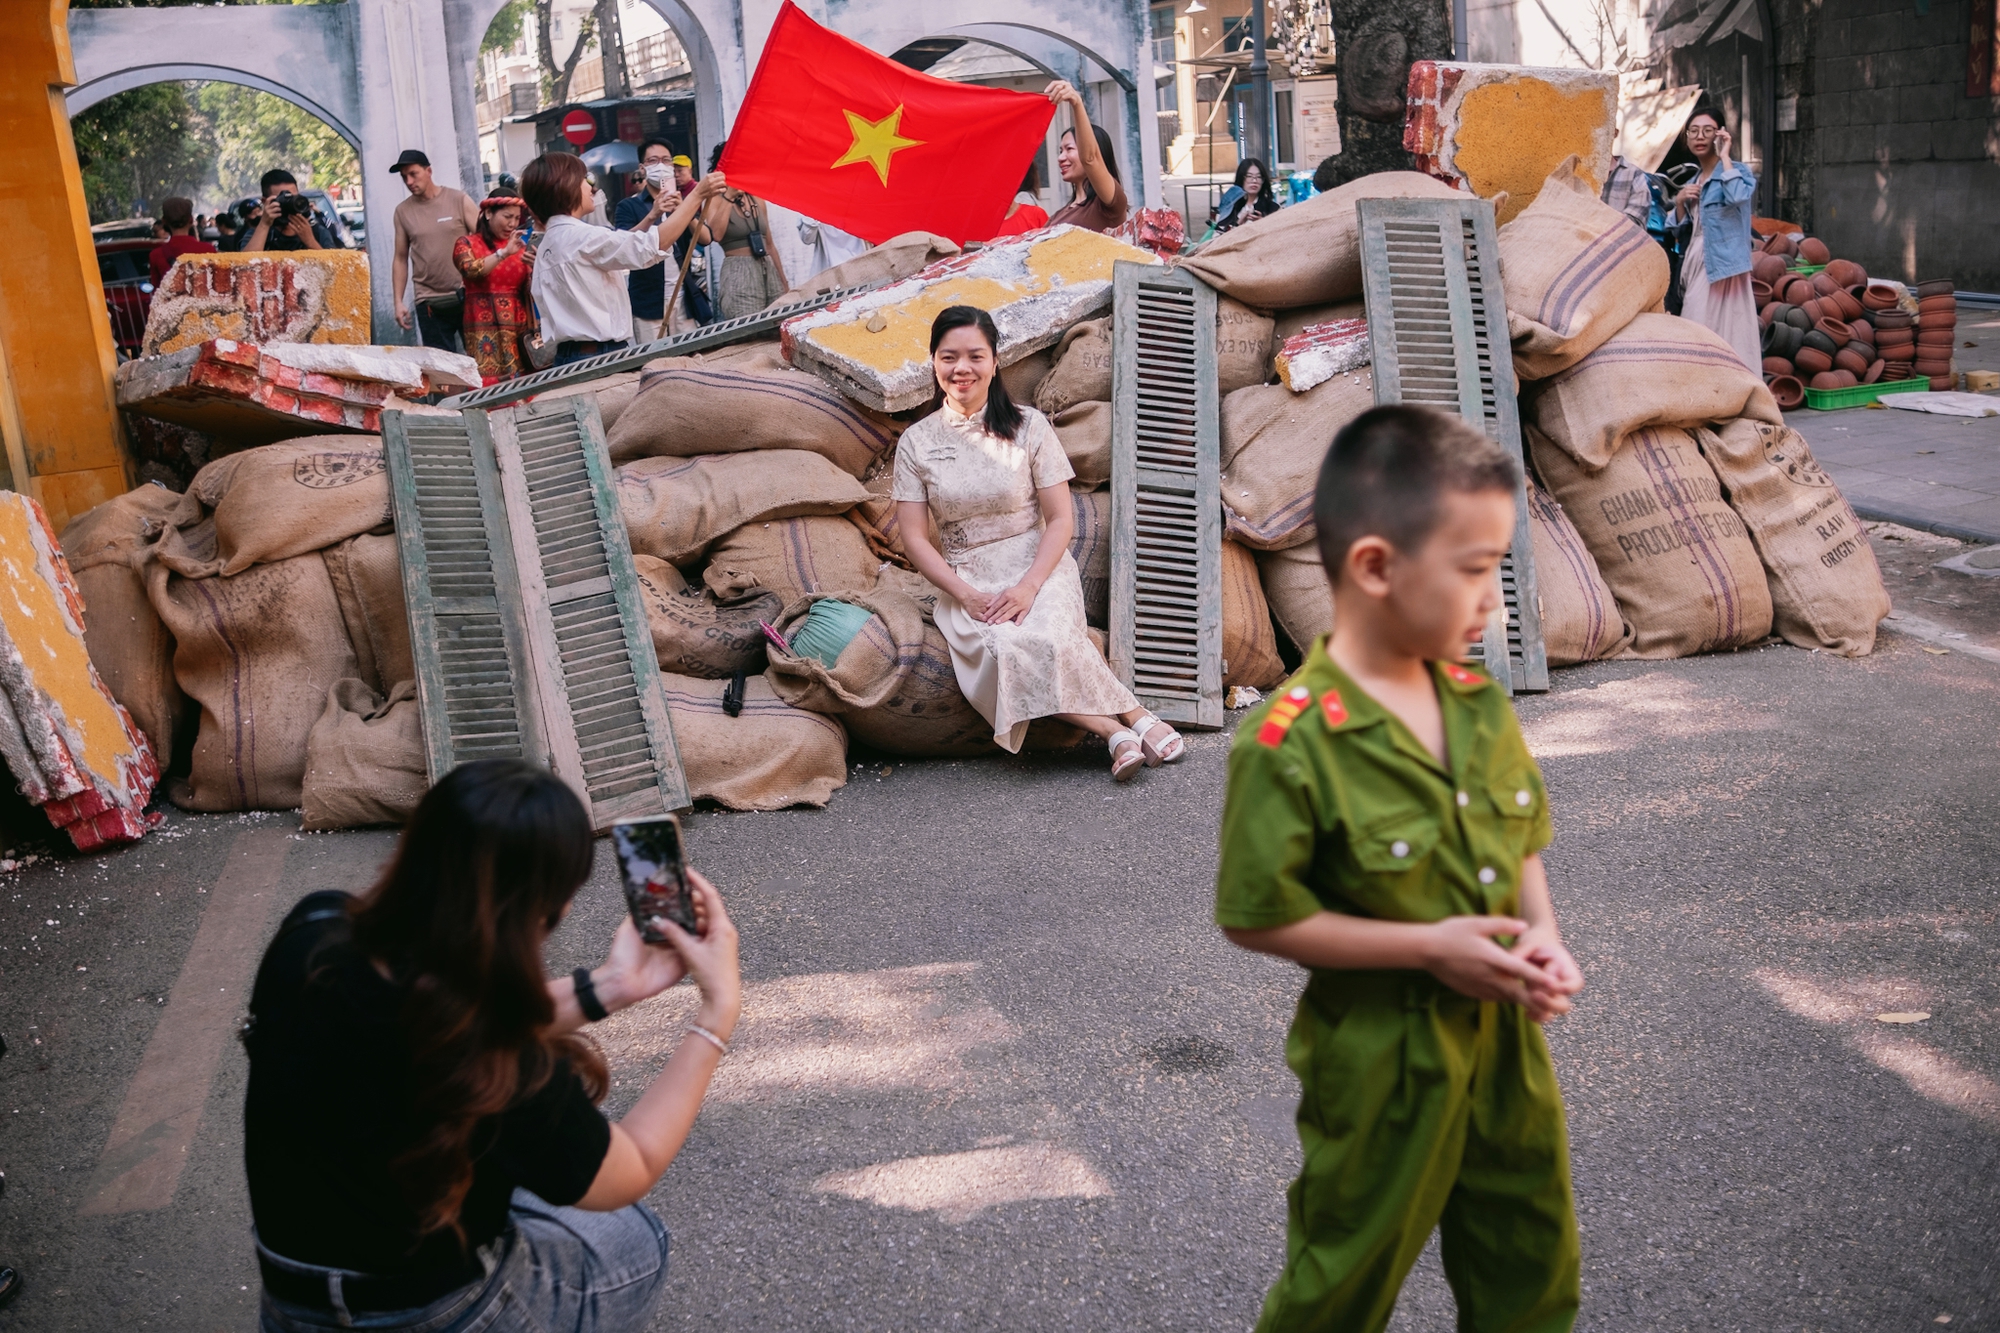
(1726,307)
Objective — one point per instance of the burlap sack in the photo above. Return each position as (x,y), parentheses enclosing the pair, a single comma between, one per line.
(1581,621)
(365,760)
(282,500)
(1273,442)
(367,575)
(1249,643)
(744,402)
(1576,272)
(913,586)
(792,557)
(1659,370)
(1287,322)
(1024,378)
(128,644)
(1669,546)
(614,393)
(675,507)
(258,651)
(770,756)
(868,671)
(897,257)
(1082,370)
(1826,589)
(1243,346)
(697,633)
(1085,431)
(1308,254)
(1300,597)
(1090,547)
(927,715)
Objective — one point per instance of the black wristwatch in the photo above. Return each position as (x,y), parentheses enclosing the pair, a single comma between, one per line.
(586,997)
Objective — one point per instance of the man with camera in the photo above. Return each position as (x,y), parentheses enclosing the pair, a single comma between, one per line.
(428,225)
(287,220)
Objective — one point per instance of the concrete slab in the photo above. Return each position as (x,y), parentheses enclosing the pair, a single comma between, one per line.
(1498,129)
(317,296)
(239,395)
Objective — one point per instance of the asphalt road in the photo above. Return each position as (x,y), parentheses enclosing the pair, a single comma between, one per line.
(998,1071)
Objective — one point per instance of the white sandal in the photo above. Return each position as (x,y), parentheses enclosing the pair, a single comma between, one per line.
(1123,766)
(1169,751)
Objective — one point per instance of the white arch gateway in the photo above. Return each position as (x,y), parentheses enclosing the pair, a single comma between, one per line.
(394,74)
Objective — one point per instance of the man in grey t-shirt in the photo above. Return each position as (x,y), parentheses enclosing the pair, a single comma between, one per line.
(428,225)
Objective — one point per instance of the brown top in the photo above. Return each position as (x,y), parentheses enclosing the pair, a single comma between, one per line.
(1096,214)
(431,227)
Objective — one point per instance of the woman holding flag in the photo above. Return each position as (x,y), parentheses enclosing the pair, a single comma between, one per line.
(1088,167)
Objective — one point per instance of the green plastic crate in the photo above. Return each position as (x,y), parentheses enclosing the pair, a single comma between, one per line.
(1828,400)
(1805,270)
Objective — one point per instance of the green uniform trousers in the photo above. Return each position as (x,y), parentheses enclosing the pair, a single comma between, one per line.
(1423,1108)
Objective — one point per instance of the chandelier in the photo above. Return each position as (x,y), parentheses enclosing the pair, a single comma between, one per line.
(1304,34)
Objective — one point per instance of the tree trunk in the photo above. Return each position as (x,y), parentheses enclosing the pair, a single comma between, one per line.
(555,83)
(1377,41)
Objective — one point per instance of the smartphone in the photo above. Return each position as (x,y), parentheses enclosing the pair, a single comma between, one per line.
(654,863)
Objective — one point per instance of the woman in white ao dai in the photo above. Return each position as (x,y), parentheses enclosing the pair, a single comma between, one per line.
(1011,600)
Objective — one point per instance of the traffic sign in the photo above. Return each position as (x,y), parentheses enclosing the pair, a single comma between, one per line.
(580,128)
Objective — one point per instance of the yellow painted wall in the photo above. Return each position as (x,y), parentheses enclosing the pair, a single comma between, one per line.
(56,353)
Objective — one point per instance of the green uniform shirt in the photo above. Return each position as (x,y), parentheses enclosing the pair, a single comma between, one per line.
(1334,805)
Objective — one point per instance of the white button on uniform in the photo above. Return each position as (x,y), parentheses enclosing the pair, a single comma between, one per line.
(1463,799)
(1486,875)
(1522,797)
(1399,849)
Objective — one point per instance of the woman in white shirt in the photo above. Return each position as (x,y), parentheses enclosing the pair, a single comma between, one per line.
(580,270)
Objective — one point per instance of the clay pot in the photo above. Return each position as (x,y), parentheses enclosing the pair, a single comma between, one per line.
(1812,361)
(1795,290)
(1799,318)
(1785,340)
(1815,310)
(1850,360)
(1847,273)
(1850,305)
(1864,334)
(1893,371)
(1789,392)
(1777,365)
(1826,379)
(1934,287)
(1901,356)
(1874,372)
(1878,298)
(1760,292)
(1767,314)
(1848,379)
(1942,305)
(1821,341)
(1767,268)
(1813,250)
(1782,245)
(1893,319)
(1933,369)
(1943,383)
(1941,339)
(1824,285)
(1837,330)
(1887,338)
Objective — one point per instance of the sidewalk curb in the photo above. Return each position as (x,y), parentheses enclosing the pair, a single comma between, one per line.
(1874,515)
(1929,631)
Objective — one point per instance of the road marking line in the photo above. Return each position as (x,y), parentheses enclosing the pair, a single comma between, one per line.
(1929,631)
(149,1141)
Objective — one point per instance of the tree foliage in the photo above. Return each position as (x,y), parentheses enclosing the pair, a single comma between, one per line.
(255,131)
(505,30)
(555,78)
(139,147)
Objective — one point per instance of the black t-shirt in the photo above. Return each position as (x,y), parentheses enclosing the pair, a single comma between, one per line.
(275,239)
(647,286)
(330,1107)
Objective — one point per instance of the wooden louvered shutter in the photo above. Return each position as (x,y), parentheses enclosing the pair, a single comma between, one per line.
(1166,496)
(597,679)
(1437,323)
(462,592)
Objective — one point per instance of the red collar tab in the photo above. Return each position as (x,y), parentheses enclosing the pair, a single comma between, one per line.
(1283,713)
(1330,704)
(1463,675)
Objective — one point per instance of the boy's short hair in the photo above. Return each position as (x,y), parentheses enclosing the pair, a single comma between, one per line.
(176,213)
(549,184)
(273,178)
(1387,472)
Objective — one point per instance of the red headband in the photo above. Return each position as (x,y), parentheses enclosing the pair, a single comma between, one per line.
(501,201)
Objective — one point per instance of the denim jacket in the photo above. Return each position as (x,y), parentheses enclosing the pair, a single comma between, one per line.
(1726,206)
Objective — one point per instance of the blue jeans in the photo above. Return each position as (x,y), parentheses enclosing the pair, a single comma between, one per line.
(558,1268)
(569,352)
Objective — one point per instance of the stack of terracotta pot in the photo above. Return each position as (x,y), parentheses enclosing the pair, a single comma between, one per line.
(1936,325)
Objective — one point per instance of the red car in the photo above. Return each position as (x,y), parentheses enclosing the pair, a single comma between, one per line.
(128,289)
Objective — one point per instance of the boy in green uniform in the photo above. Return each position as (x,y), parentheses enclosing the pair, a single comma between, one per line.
(1383,828)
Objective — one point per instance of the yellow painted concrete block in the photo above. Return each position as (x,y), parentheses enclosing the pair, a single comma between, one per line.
(876,347)
(1501,129)
(298,296)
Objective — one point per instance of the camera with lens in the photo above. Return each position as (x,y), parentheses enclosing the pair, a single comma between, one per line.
(294,205)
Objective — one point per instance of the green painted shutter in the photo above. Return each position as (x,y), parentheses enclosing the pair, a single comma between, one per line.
(1166,497)
(1437,323)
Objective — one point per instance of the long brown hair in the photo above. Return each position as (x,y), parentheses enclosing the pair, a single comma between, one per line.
(490,859)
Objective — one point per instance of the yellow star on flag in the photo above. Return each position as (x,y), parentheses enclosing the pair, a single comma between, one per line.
(875,142)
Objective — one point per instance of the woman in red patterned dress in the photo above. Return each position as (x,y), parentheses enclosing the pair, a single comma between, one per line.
(497,265)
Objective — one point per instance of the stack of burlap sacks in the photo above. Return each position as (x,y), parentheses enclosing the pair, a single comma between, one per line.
(1673,511)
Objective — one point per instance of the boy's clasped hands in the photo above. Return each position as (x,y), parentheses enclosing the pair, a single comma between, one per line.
(1535,971)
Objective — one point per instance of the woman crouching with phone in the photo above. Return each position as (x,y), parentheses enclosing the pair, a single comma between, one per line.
(421,1134)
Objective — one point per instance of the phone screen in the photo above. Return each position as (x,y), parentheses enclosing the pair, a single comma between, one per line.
(655,869)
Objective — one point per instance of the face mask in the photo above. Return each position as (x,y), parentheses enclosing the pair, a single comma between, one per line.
(658,174)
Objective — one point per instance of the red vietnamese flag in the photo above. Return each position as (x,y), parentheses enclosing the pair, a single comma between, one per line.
(854,139)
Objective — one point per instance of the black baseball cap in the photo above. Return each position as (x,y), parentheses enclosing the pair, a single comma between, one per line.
(411,158)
